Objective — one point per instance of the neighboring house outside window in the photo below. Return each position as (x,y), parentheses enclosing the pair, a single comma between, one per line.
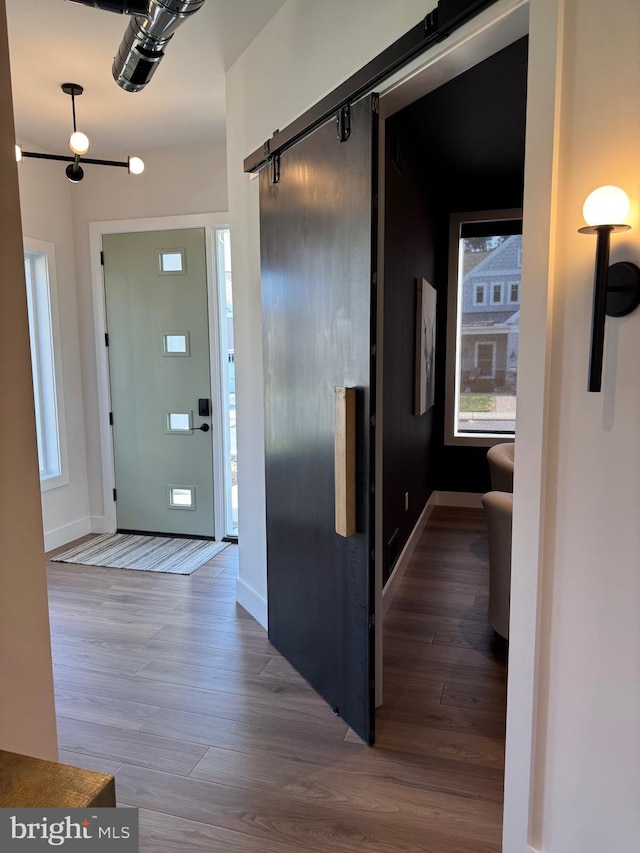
(483,327)
(491,328)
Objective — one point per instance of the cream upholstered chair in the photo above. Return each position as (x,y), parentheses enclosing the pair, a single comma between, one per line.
(498,507)
(500,459)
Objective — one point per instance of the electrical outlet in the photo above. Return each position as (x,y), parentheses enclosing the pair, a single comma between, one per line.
(406,501)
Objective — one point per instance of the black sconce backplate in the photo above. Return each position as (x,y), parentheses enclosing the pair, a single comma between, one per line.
(623,290)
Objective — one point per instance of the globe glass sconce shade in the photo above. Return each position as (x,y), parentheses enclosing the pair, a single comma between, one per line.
(79,143)
(606,205)
(136,166)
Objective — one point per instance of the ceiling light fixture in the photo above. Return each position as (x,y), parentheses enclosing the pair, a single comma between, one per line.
(79,146)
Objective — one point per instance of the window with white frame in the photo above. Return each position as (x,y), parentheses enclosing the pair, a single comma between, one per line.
(225,296)
(479,294)
(39,267)
(483,327)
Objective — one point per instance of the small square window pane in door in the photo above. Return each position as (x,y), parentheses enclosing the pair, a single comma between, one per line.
(182,497)
(179,422)
(171,262)
(176,343)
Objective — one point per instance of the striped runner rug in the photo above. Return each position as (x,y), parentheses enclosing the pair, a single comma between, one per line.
(144,553)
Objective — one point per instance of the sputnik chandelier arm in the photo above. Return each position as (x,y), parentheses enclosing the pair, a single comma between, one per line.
(79,146)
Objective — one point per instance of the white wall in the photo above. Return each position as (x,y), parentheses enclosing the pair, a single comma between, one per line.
(577,482)
(588,772)
(189,180)
(46,202)
(27,717)
(175,181)
(301,55)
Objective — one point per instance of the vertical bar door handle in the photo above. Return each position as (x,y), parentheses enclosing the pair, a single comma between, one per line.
(345,460)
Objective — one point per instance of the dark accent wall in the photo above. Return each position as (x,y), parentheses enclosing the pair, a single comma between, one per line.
(408,467)
(460,148)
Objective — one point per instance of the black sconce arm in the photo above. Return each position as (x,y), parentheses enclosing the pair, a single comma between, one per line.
(616,292)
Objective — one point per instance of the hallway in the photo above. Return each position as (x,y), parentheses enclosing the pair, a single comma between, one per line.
(166,682)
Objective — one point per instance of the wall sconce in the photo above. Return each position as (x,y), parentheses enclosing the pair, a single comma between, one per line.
(616,288)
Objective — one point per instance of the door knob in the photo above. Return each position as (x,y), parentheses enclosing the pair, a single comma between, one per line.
(204,427)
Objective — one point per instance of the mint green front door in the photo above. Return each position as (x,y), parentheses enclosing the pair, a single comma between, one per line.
(159,365)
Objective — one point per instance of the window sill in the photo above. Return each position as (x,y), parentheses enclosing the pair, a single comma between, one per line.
(53,481)
(478,439)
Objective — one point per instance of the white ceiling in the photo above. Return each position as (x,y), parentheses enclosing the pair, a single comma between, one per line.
(53,41)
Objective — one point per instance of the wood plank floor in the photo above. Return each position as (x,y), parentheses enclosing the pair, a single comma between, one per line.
(166,682)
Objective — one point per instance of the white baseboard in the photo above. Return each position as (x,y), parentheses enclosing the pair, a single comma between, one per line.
(67,533)
(391,586)
(101,524)
(252,602)
(468,500)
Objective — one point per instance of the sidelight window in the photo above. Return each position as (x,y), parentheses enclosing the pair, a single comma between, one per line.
(39,268)
(227,352)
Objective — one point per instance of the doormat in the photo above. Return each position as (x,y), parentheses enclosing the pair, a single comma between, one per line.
(144,553)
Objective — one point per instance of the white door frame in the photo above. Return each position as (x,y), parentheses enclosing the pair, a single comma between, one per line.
(210,222)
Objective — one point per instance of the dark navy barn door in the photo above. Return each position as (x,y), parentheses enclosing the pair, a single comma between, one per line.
(318,250)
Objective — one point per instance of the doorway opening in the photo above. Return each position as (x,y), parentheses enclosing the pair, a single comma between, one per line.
(287,345)
(500,26)
(210,399)
(455,154)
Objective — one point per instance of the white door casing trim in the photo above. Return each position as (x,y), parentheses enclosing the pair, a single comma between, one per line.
(209,221)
